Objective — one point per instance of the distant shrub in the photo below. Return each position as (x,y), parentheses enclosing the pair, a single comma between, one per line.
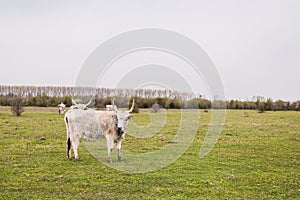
(136,109)
(17,106)
(155,108)
(261,107)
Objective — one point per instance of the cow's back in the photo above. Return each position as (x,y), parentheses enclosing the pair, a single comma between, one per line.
(85,124)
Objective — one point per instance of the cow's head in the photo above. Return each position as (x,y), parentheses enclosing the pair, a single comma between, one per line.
(122,118)
(80,105)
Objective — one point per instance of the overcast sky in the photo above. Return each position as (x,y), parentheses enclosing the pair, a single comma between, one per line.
(255,44)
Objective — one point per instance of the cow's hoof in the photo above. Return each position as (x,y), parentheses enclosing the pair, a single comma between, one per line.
(109,160)
(77,160)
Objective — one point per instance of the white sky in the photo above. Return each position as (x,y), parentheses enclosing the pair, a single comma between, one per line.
(255,44)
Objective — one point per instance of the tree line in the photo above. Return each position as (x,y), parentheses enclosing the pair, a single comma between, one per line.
(261,104)
(62,91)
(144,98)
(168,103)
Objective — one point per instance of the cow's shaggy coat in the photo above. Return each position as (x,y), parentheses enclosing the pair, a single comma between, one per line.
(91,124)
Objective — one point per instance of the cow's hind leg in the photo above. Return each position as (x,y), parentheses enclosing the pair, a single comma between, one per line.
(69,148)
(75,143)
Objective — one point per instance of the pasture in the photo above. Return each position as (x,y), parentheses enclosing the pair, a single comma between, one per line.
(257,157)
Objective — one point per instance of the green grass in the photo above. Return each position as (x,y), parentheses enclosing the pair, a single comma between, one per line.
(262,151)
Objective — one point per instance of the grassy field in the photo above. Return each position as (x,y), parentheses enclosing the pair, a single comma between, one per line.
(257,157)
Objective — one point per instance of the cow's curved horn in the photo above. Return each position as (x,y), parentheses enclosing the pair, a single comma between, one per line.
(89,102)
(113,104)
(113,101)
(73,102)
(131,109)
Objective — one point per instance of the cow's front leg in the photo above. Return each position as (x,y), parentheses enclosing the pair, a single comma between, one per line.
(119,151)
(119,155)
(109,159)
(109,150)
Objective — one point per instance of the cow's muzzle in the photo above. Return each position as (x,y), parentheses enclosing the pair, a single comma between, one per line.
(120,131)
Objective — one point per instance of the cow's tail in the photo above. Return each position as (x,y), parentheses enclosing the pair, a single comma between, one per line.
(68,138)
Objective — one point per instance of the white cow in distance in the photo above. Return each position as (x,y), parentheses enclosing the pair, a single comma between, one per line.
(112,107)
(61,108)
(93,124)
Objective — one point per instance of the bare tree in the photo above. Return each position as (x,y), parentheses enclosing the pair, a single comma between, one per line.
(17,105)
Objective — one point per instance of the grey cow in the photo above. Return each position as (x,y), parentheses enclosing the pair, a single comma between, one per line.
(93,124)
